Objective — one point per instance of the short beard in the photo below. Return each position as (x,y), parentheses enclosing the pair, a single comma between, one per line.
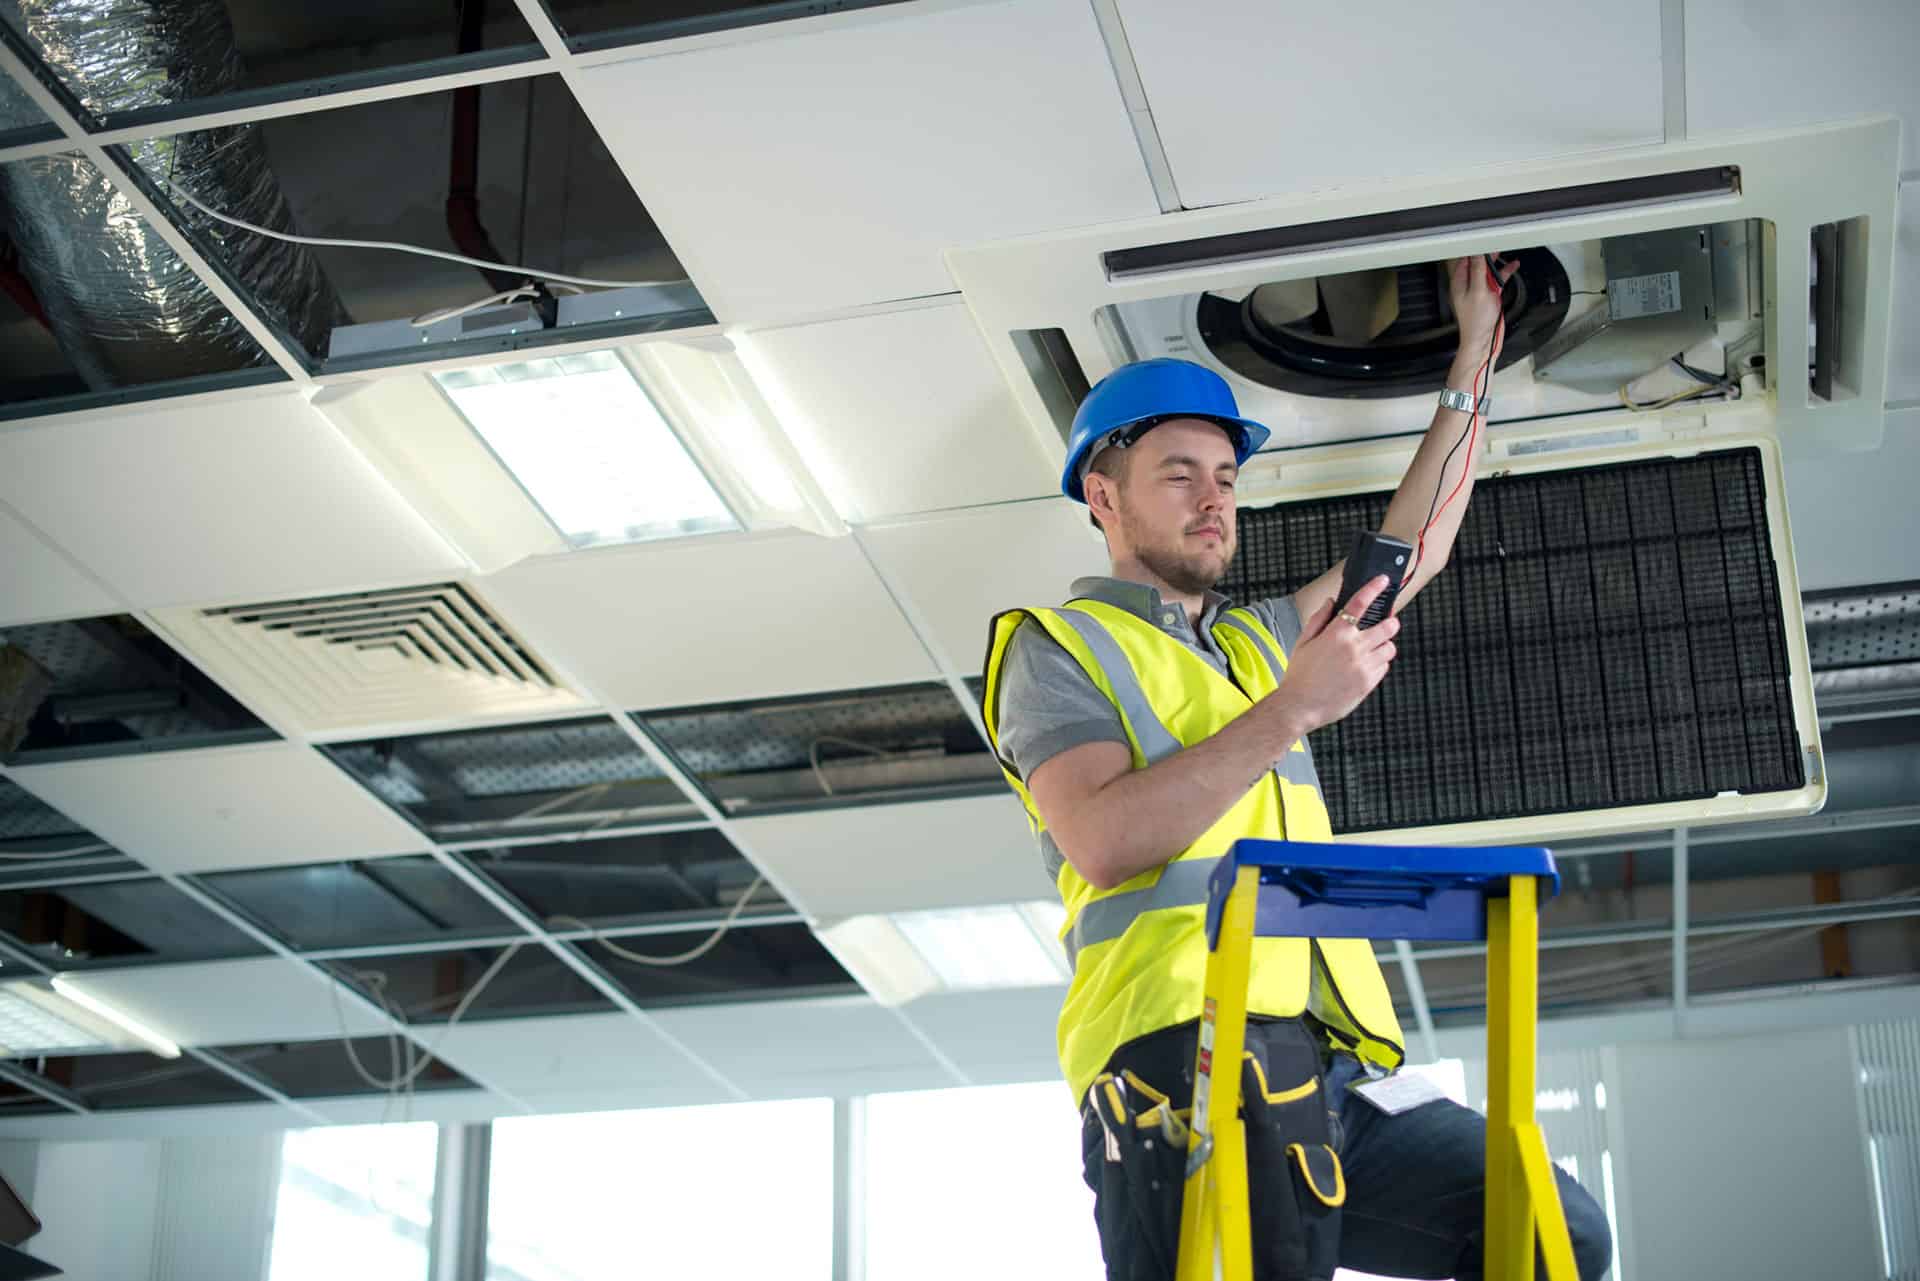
(1185,572)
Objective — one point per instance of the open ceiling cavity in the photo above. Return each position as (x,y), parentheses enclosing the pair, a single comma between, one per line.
(99,686)
(601,24)
(376,902)
(99,306)
(910,742)
(116,922)
(524,781)
(644,877)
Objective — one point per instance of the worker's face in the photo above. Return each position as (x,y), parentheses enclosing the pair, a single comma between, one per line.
(1173,509)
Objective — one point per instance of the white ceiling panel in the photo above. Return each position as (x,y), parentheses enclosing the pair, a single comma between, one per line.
(1256,99)
(1903,344)
(38,583)
(242,496)
(835,1045)
(902,412)
(713,620)
(579,1054)
(808,171)
(895,858)
(1757,64)
(230,1002)
(995,1037)
(1852,513)
(263,805)
(961,568)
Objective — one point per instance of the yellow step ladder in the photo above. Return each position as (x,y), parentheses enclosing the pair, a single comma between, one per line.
(1293,889)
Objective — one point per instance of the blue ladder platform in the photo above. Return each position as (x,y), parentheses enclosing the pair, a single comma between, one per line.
(1310,890)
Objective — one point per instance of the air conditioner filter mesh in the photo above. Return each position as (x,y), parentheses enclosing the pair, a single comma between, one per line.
(1601,638)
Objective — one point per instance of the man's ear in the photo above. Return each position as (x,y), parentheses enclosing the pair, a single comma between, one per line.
(1099,495)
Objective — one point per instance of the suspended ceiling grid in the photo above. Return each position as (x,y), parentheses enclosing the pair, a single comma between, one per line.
(813,226)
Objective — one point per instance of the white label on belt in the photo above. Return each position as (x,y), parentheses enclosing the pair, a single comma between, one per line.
(1401,1092)
(1654,295)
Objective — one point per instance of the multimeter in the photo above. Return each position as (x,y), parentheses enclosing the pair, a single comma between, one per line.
(1375,554)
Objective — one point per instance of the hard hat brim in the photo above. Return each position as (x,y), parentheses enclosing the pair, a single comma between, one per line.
(1248,437)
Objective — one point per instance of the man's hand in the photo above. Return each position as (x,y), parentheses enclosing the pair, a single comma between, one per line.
(1476,306)
(1336,664)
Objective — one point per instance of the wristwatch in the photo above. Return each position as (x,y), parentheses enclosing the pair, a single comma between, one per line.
(1461,401)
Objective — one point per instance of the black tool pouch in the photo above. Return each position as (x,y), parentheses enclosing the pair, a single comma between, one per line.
(1293,1168)
(1136,1157)
(1136,1163)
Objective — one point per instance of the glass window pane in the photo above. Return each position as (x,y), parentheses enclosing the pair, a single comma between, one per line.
(1010,1154)
(659,1193)
(355,1200)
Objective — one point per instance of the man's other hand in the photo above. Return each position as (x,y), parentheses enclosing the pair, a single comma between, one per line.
(1336,664)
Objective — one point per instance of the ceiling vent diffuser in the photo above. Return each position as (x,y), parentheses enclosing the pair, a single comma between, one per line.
(373,660)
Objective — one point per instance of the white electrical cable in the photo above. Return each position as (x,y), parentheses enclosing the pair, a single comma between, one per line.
(329,242)
(404,1078)
(813,757)
(519,293)
(693,953)
(43,856)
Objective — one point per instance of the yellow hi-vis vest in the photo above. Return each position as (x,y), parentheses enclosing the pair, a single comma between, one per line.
(1139,949)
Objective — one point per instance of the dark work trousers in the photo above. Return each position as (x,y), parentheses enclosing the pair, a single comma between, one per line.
(1415,1184)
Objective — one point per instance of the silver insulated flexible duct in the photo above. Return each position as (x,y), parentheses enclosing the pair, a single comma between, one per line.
(125,309)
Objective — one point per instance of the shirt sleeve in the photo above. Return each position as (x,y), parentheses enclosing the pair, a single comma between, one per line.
(1283,616)
(1048,703)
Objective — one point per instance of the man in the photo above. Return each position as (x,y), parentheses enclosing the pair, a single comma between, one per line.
(1146,727)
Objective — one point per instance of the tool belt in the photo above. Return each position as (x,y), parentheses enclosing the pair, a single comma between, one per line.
(1134,1140)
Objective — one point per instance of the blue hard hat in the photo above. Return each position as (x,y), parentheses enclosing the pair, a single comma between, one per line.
(1136,397)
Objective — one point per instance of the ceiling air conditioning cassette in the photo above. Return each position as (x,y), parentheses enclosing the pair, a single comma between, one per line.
(1684,322)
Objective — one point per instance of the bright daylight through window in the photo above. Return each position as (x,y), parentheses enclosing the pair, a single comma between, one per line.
(354,1201)
(660,1193)
(590,448)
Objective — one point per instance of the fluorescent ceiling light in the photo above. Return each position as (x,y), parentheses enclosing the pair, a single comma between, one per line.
(133,1027)
(29,1027)
(589,447)
(904,956)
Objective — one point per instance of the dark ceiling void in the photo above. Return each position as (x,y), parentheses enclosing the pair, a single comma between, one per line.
(134,60)
(522,781)
(104,686)
(602,24)
(645,877)
(769,962)
(426,987)
(323,1069)
(912,742)
(510,172)
(118,1082)
(40,845)
(359,904)
(116,922)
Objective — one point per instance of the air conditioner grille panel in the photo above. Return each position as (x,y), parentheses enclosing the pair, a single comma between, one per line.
(1602,638)
(374,659)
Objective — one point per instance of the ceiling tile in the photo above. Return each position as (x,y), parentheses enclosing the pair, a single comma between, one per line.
(1873,543)
(836,1045)
(230,1002)
(230,497)
(1254,99)
(995,1037)
(823,169)
(959,569)
(578,1054)
(1903,344)
(38,583)
(1763,66)
(713,620)
(895,858)
(223,808)
(902,412)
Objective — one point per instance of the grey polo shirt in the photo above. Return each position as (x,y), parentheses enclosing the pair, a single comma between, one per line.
(1049,704)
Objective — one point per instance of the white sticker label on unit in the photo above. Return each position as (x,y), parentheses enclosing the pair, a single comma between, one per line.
(1654,295)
